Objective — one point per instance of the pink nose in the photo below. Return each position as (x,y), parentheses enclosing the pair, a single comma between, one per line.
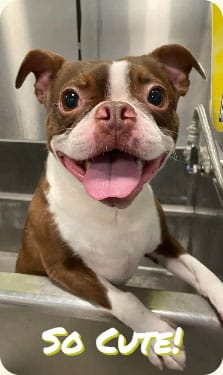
(116,114)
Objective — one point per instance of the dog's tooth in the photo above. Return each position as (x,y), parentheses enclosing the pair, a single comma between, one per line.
(140,165)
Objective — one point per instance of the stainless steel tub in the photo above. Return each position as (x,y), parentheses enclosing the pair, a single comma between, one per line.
(30,305)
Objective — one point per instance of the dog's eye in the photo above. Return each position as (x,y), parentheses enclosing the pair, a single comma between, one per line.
(70,100)
(156,96)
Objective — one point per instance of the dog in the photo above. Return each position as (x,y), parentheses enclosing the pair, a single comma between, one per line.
(111,125)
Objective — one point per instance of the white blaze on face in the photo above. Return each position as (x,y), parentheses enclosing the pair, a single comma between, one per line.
(152,141)
(119,81)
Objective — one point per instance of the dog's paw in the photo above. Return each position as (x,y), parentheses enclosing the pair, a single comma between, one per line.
(172,362)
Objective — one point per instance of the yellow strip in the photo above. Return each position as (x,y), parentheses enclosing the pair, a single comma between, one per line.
(217,69)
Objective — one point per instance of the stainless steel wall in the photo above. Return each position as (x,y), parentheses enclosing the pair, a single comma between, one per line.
(110,29)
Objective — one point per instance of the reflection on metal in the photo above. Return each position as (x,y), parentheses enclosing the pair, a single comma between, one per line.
(201,118)
(15,197)
(110,30)
(218,191)
(25,25)
(205,160)
(173,209)
(18,289)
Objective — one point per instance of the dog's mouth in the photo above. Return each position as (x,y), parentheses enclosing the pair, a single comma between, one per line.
(113,175)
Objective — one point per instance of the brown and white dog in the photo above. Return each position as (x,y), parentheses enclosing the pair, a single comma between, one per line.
(111,125)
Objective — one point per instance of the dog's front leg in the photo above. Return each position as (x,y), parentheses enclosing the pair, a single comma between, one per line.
(192,271)
(171,255)
(75,276)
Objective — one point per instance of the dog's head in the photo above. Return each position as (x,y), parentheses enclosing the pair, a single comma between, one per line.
(112,124)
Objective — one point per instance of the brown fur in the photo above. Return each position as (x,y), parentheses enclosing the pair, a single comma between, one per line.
(169,246)
(43,252)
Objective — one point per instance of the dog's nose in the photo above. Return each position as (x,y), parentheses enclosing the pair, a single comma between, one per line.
(116,114)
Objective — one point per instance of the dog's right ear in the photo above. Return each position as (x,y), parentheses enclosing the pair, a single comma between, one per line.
(44,65)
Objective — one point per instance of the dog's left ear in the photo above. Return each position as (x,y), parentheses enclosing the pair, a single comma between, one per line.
(178,62)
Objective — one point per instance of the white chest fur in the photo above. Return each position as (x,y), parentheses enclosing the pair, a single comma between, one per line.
(111,241)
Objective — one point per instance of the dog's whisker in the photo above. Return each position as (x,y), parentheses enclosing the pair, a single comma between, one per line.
(168,131)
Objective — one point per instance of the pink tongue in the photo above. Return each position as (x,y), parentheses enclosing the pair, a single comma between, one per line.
(111,175)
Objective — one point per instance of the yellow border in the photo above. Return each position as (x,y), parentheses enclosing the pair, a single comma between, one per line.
(217,69)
